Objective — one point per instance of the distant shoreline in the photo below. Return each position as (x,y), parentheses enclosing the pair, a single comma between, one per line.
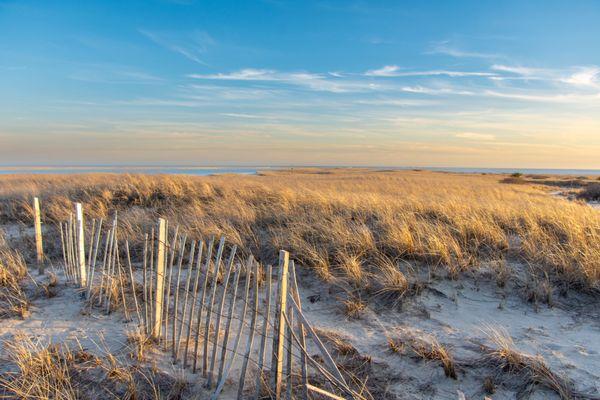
(217,170)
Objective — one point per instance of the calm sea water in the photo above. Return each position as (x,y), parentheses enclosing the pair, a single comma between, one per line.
(253,170)
(130,170)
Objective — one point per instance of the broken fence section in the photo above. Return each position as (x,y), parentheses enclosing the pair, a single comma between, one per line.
(229,320)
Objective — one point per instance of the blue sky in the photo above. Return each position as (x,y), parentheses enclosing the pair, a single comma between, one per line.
(438,83)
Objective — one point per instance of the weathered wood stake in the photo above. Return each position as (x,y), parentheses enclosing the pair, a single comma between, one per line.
(220,315)
(279,328)
(176,297)
(160,277)
(263,334)
(81,246)
(64,251)
(250,335)
(169,276)
(132,281)
(302,335)
(202,296)
(238,338)
(236,281)
(215,278)
(145,266)
(194,300)
(186,296)
(39,248)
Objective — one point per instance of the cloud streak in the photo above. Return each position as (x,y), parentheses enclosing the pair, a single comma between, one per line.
(313,81)
(192,46)
(394,71)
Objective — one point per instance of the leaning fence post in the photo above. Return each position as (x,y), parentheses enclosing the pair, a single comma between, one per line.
(279,328)
(160,277)
(303,362)
(250,339)
(263,333)
(64,252)
(37,220)
(81,246)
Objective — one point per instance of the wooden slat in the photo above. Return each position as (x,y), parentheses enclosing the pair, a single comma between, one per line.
(151,282)
(202,296)
(91,249)
(160,277)
(326,356)
(279,328)
(145,281)
(64,251)
(250,334)
(94,257)
(320,368)
(234,350)
(110,268)
(176,299)
(211,302)
(263,334)
(132,282)
(324,392)
(186,296)
(236,281)
(39,248)
(194,300)
(213,360)
(81,246)
(302,334)
(169,278)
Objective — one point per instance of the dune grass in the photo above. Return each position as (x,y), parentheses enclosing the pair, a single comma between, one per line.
(40,370)
(372,230)
(530,370)
(13,270)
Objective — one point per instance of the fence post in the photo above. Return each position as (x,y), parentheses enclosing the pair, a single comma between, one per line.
(81,246)
(160,277)
(38,235)
(279,328)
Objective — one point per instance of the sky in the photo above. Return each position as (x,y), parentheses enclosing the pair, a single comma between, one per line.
(276,82)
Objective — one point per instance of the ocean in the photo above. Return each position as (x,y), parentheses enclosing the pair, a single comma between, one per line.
(181,170)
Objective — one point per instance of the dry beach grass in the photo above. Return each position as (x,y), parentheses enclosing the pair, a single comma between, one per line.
(369,229)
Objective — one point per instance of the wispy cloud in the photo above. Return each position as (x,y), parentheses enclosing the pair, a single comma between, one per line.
(388,70)
(115,74)
(517,69)
(192,45)
(585,77)
(391,71)
(579,77)
(397,102)
(545,97)
(312,81)
(437,91)
(447,48)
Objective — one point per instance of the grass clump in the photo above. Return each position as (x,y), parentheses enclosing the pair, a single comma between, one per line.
(13,298)
(590,192)
(530,371)
(425,348)
(49,371)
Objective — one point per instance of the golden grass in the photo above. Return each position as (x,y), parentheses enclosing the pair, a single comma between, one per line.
(47,371)
(13,299)
(531,370)
(43,372)
(426,348)
(353,225)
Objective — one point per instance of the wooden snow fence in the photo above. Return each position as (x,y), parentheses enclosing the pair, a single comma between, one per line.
(235,323)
